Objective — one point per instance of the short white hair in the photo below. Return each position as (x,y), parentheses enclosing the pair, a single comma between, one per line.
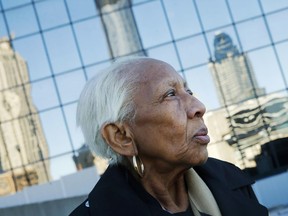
(108,98)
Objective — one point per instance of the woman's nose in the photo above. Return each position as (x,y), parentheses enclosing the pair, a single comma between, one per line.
(196,108)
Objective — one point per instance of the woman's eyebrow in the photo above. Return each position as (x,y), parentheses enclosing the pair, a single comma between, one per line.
(177,82)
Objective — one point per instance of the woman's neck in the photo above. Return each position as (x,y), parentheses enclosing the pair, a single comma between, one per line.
(169,190)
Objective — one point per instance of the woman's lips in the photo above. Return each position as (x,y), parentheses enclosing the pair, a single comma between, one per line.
(202,136)
(203,139)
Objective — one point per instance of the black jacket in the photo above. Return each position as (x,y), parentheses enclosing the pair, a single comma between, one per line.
(116,193)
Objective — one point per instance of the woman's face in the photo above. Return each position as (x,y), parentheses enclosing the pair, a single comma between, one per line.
(169,130)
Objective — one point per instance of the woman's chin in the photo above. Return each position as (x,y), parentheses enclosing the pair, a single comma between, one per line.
(202,160)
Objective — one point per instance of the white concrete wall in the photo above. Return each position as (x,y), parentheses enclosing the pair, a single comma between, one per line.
(61,207)
(273,191)
(74,185)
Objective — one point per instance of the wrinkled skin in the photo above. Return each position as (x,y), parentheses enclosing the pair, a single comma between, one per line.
(169,131)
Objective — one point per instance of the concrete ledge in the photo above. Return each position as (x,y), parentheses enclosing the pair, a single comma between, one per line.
(74,185)
(55,207)
(272,191)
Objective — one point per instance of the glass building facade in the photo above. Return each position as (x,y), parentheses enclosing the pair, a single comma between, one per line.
(233,55)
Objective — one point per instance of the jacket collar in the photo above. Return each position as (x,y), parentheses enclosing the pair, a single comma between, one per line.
(228,185)
(230,188)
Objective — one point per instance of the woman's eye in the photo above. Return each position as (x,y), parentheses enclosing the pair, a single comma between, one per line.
(171,93)
(189,92)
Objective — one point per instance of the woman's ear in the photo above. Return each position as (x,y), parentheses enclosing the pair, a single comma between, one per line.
(119,137)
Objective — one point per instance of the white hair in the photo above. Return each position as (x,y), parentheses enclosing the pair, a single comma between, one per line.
(108,98)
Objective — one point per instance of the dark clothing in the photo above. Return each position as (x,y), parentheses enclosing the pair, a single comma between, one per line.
(118,193)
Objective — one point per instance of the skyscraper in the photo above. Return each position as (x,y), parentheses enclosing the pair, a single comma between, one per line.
(232,72)
(120,27)
(259,136)
(22,141)
(253,124)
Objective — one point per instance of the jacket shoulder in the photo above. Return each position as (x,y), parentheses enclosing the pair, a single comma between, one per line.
(231,188)
(112,195)
(226,172)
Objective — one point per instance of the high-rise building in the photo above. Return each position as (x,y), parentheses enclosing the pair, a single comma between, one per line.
(22,142)
(120,27)
(259,136)
(232,72)
(253,124)
(84,159)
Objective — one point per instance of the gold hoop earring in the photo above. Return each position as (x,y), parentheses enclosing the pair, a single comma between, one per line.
(138,165)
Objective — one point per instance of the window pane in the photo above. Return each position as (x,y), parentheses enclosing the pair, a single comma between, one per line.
(182,17)
(36,58)
(51,13)
(75,131)
(193,51)
(18,19)
(92,41)
(278,26)
(282,53)
(62,50)
(44,171)
(165,53)
(67,85)
(9,4)
(139,1)
(3,30)
(20,178)
(213,13)
(269,5)
(55,132)
(151,32)
(244,9)
(253,34)
(266,70)
(93,70)
(44,94)
(65,161)
(81,9)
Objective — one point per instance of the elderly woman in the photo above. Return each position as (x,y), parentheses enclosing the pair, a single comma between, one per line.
(140,114)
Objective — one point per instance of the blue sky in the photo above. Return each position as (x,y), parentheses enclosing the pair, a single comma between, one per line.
(66,62)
